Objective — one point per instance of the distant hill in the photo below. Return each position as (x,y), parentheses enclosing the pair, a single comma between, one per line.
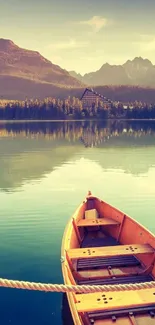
(21,69)
(139,71)
(122,93)
(19,88)
(127,93)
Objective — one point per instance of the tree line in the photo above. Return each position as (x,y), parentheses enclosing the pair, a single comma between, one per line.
(73,108)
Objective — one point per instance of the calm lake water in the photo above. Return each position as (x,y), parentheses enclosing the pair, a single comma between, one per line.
(46,170)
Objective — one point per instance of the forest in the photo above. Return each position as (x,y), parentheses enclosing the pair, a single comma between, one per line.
(72,108)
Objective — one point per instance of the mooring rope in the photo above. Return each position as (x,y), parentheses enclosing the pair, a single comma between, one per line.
(48,287)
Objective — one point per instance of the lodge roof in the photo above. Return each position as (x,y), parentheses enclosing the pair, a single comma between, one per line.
(95,93)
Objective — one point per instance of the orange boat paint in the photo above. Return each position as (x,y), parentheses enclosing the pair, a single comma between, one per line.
(103,246)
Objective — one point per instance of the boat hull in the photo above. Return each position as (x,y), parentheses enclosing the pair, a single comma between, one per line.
(112,228)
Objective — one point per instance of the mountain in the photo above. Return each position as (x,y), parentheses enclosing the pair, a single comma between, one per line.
(76,75)
(139,71)
(25,73)
(21,67)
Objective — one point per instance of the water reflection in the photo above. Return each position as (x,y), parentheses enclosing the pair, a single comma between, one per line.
(90,133)
(31,150)
(65,312)
(47,171)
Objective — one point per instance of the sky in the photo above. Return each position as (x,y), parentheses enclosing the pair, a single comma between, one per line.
(81,35)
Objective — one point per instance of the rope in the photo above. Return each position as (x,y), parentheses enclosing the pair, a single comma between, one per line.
(73,288)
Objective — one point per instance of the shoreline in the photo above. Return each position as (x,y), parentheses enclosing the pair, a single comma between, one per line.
(77,120)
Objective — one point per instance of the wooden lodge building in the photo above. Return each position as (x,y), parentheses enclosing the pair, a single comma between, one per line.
(90,97)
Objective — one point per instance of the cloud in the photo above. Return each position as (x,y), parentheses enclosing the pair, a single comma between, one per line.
(149,46)
(96,22)
(145,37)
(70,44)
(146,43)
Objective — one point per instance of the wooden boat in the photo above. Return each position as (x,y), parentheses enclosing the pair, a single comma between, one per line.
(103,246)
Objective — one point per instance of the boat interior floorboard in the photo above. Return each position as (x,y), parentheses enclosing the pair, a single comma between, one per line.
(92,241)
(149,311)
(120,280)
(104,262)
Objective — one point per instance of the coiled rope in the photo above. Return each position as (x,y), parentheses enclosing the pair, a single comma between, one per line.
(74,288)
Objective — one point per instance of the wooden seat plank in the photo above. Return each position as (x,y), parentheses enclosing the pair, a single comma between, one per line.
(109,251)
(97,222)
(104,301)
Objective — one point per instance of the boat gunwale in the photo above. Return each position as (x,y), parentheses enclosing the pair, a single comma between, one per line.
(126,215)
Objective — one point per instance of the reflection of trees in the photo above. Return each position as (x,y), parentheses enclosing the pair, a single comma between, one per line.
(91,139)
(31,157)
(89,133)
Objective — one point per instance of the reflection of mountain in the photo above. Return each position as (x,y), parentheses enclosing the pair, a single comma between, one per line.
(31,150)
(26,159)
(131,160)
